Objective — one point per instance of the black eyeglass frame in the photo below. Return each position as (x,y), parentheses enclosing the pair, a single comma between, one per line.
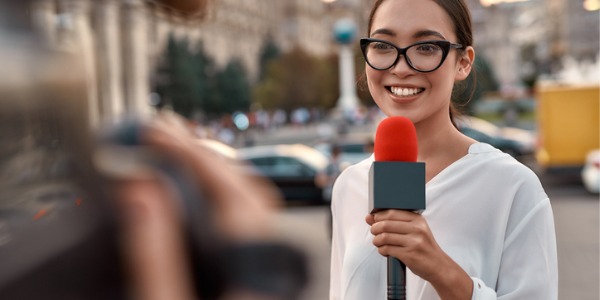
(444,45)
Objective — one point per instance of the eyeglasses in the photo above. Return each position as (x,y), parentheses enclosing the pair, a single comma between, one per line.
(425,56)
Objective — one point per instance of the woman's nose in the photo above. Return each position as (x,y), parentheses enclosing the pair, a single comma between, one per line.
(401,67)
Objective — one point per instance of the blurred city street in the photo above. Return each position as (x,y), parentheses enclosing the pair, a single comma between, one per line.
(239,74)
(576,217)
(576,214)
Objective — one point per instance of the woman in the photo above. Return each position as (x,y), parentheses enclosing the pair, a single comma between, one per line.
(488,230)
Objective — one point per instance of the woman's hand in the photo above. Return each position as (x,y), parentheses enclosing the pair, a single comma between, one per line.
(406,236)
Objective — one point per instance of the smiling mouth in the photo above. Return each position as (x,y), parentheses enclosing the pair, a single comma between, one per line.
(404,92)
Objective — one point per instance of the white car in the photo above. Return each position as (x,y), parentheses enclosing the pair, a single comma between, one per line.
(590,174)
(219,147)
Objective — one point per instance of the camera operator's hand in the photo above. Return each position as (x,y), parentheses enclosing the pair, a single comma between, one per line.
(239,198)
(243,208)
(153,241)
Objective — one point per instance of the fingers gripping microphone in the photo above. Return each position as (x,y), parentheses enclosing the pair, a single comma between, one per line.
(396,181)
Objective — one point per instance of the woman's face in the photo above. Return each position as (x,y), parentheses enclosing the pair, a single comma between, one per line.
(400,90)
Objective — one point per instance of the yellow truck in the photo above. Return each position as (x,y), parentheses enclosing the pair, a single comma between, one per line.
(568,125)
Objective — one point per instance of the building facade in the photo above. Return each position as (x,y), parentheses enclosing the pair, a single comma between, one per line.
(534,37)
(237,29)
(121,40)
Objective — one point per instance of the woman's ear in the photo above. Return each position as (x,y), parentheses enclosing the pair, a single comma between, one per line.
(465,63)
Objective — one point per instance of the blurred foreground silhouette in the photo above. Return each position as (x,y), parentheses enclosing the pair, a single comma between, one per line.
(68,231)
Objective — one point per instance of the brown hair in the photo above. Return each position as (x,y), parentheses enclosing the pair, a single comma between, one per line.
(461,18)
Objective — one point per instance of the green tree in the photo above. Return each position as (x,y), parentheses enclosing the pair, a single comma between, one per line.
(531,65)
(177,84)
(481,81)
(268,53)
(270,92)
(205,76)
(190,82)
(328,84)
(297,79)
(233,89)
(362,90)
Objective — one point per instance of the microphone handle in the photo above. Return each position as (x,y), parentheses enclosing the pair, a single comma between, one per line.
(396,279)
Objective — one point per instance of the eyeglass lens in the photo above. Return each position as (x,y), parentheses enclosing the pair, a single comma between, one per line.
(421,57)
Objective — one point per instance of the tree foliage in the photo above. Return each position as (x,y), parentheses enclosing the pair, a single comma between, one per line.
(190,83)
(531,65)
(233,89)
(176,82)
(362,89)
(482,80)
(297,79)
(268,53)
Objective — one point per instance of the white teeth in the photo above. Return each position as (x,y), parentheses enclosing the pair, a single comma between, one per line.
(405,91)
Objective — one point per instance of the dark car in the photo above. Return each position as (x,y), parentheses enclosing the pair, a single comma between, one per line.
(353,151)
(291,167)
(514,141)
(505,145)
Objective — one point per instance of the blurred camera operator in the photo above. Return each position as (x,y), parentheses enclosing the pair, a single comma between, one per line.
(183,223)
(244,208)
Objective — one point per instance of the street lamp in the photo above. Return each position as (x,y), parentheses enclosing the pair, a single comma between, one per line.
(344,31)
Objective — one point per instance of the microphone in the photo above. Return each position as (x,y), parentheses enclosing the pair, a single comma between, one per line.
(396,181)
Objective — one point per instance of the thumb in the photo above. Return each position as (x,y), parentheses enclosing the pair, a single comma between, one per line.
(370,219)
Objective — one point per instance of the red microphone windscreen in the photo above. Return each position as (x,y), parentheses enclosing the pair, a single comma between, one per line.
(396,140)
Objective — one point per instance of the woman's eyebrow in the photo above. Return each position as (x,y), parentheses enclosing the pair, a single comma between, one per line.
(383,31)
(417,35)
(428,33)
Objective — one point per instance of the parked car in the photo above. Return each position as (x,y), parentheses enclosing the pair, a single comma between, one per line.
(353,150)
(590,174)
(219,147)
(291,167)
(515,141)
